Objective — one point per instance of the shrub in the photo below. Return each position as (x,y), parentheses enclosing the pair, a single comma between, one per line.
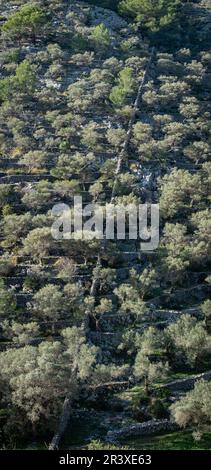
(28,21)
(101,36)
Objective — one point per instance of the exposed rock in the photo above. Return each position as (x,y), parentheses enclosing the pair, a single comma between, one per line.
(111,20)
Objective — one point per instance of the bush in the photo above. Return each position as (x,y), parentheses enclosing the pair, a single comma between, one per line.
(28,21)
(6,266)
(153,15)
(157,409)
(4,193)
(123,89)
(7,301)
(99,445)
(101,37)
(194,408)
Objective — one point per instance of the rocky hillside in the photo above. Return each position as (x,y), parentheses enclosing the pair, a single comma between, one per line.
(98,104)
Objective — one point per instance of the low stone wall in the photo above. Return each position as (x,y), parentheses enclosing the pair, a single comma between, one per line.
(168,315)
(107,322)
(143,429)
(25,178)
(108,343)
(184,385)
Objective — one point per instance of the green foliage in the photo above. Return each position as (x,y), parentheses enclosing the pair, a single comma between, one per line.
(37,243)
(74,300)
(99,445)
(37,378)
(34,159)
(206,310)
(130,301)
(67,102)
(206,307)
(22,82)
(146,283)
(28,21)
(22,334)
(7,301)
(78,165)
(25,77)
(147,366)
(194,409)
(79,43)
(198,151)
(150,342)
(5,190)
(116,137)
(5,88)
(180,192)
(89,136)
(48,302)
(14,227)
(40,195)
(123,89)
(12,55)
(152,14)
(101,36)
(175,252)
(188,340)
(149,371)
(157,409)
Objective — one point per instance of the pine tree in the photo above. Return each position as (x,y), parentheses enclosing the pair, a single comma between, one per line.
(28,21)
(152,14)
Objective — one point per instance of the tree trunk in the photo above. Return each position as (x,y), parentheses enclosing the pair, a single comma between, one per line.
(127,140)
(54,445)
(146,386)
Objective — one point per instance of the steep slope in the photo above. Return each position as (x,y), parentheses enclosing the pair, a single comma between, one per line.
(91,107)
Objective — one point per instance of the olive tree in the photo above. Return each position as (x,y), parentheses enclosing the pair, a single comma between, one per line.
(197,151)
(206,310)
(187,340)
(180,192)
(38,378)
(194,408)
(90,136)
(38,243)
(175,253)
(146,283)
(34,159)
(149,346)
(149,371)
(48,303)
(38,195)
(74,300)
(21,333)
(129,300)
(15,228)
(7,301)
(5,191)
